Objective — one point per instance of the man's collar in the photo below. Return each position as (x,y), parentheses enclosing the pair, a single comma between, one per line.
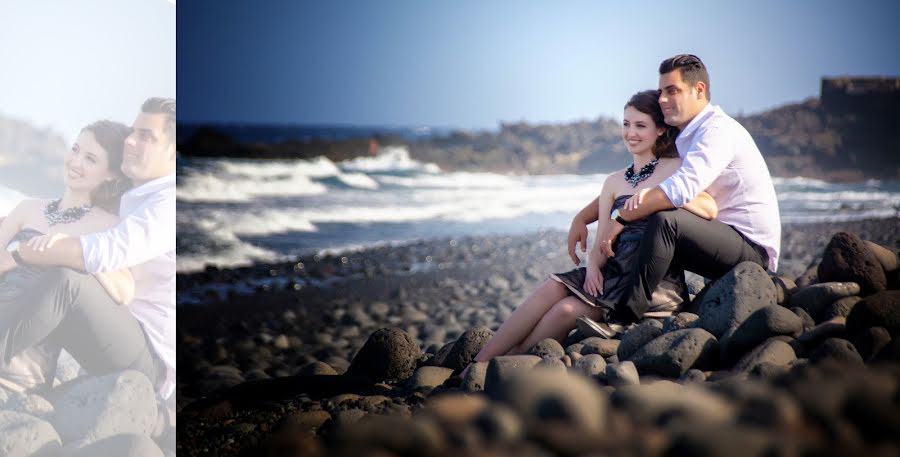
(697,120)
(153,186)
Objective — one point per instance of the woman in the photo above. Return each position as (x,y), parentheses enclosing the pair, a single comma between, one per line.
(552,310)
(93,184)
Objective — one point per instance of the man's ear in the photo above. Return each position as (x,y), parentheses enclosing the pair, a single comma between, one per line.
(700,86)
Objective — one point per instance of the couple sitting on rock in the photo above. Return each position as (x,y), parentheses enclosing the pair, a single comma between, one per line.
(697,197)
(75,276)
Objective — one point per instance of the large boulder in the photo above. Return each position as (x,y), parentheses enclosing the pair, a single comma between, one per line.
(22,435)
(774,351)
(760,326)
(503,368)
(672,354)
(733,297)
(847,258)
(466,348)
(97,408)
(388,354)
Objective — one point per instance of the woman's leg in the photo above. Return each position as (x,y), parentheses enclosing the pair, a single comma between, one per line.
(559,321)
(522,320)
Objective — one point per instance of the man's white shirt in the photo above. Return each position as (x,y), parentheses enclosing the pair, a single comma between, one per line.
(721,158)
(144,242)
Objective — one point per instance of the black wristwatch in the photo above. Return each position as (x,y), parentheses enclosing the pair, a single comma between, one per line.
(15,255)
(616,217)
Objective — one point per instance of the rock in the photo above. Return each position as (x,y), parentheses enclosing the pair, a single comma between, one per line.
(773,351)
(877,310)
(808,278)
(816,298)
(622,374)
(886,257)
(680,321)
(388,436)
(316,368)
(500,425)
(441,355)
(648,403)
(784,287)
(388,354)
(454,410)
(830,329)
(808,321)
(548,347)
(692,376)
(840,308)
(637,336)
(543,398)
(731,440)
(304,420)
(591,365)
(24,435)
(601,346)
(124,445)
(281,342)
(762,324)
(837,349)
(733,297)
(672,354)
(870,341)
(347,417)
(475,377)
(848,259)
(33,405)
(502,368)
(467,347)
(430,377)
(551,364)
(101,407)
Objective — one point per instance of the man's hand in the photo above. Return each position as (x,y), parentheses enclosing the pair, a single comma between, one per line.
(608,237)
(42,242)
(635,201)
(578,233)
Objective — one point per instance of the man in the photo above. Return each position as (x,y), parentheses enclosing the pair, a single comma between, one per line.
(719,157)
(75,311)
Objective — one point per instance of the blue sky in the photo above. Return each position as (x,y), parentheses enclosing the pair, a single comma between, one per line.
(473,64)
(64,64)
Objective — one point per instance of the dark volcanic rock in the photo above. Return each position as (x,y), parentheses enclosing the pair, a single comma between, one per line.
(673,354)
(680,321)
(467,347)
(815,299)
(760,326)
(869,342)
(389,353)
(878,310)
(547,347)
(841,307)
(838,349)
(733,297)
(773,351)
(597,345)
(503,368)
(808,321)
(639,335)
(886,257)
(847,258)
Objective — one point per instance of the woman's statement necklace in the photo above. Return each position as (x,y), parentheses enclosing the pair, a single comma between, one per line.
(646,171)
(66,216)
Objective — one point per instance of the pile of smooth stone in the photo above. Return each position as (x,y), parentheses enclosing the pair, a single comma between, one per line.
(759,365)
(113,415)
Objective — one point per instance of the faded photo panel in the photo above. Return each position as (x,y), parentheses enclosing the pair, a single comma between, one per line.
(87,228)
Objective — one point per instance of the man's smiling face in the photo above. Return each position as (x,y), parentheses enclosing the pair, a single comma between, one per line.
(149,152)
(680,101)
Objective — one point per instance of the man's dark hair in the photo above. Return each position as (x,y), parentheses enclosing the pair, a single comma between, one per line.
(162,105)
(691,68)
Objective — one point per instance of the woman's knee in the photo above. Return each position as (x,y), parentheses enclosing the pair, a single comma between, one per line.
(568,308)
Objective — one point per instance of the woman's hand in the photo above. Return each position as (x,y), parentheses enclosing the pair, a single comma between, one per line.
(593,281)
(41,242)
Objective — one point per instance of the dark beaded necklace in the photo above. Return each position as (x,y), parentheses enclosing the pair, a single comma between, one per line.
(646,171)
(66,216)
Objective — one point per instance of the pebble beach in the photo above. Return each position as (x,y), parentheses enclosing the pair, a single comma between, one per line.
(357,354)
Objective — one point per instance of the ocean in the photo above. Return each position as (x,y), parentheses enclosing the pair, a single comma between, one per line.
(238,212)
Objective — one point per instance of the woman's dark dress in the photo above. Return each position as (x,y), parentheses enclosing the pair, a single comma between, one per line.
(617,273)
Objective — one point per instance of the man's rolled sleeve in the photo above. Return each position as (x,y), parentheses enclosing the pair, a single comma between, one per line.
(703,163)
(133,241)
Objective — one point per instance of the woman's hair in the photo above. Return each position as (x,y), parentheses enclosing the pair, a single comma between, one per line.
(111,136)
(647,102)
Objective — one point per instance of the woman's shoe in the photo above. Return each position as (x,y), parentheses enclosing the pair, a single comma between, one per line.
(590,327)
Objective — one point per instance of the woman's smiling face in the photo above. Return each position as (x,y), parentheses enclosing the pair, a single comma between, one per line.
(86,164)
(639,131)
